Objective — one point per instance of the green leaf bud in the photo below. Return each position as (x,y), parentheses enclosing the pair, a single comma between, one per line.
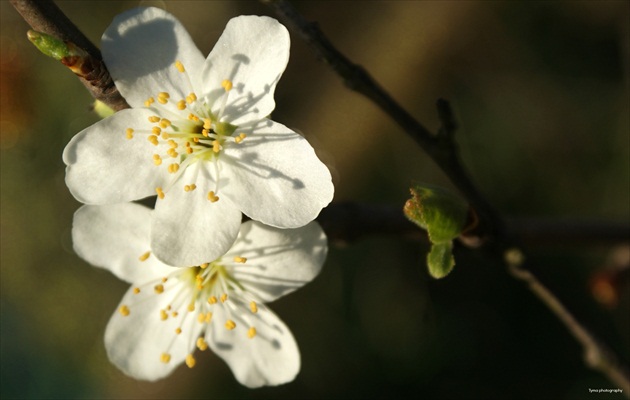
(440,260)
(49,45)
(102,110)
(440,212)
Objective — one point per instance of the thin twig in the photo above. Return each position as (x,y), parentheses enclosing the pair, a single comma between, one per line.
(44,16)
(596,354)
(443,150)
(348,221)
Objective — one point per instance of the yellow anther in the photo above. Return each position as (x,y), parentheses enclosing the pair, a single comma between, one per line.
(224,297)
(162,100)
(208,317)
(178,331)
(212,300)
(191,98)
(180,66)
(201,317)
(163,315)
(240,138)
(153,140)
(201,344)
(154,118)
(159,288)
(174,314)
(159,192)
(164,279)
(149,101)
(196,139)
(227,85)
(172,143)
(136,290)
(144,256)
(157,160)
(164,95)
(216,146)
(172,152)
(212,197)
(204,265)
(129,133)
(124,310)
(189,150)
(165,135)
(168,308)
(165,123)
(193,117)
(190,361)
(156,130)
(173,168)
(181,105)
(251,332)
(205,132)
(165,358)
(191,307)
(253,306)
(207,123)
(230,324)
(240,260)
(190,188)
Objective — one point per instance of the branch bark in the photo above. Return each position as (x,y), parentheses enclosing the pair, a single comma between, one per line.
(44,16)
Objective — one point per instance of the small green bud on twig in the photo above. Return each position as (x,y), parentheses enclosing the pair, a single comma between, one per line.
(102,110)
(443,215)
(70,55)
(49,45)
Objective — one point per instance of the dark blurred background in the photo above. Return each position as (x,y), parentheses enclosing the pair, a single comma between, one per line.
(541,93)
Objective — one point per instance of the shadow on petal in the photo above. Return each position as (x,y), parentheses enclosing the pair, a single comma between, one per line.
(154,43)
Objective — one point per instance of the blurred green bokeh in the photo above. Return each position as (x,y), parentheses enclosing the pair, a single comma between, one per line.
(541,93)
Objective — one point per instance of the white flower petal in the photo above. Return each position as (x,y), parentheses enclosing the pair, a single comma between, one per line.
(270,358)
(114,237)
(252,52)
(103,166)
(279,261)
(275,177)
(135,343)
(140,48)
(188,229)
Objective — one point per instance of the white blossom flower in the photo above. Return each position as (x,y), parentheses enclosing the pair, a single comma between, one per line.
(168,312)
(198,135)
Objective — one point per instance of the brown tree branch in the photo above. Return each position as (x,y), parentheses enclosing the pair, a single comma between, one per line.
(596,354)
(348,221)
(443,150)
(44,16)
